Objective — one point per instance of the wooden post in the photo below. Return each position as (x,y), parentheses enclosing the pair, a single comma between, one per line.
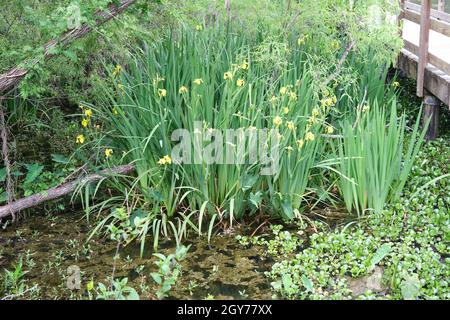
(401,16)
(441,5)
(423,44)
(431,106)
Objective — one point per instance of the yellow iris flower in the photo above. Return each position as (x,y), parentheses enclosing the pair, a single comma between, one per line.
(165,160)
(117,70)
(290,125)
(108,152)
(315,112)
(277,121)
(309,136)
(183,89)
(88,113)
(162,93)
(228,75)
(80,139)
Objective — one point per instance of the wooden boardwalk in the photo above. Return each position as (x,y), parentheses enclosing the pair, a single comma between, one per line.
(426,55)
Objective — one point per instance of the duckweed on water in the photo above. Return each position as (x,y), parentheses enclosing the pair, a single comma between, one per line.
(408,242)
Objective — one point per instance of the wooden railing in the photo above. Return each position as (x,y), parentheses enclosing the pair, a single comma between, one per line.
(424,29)
(429,19)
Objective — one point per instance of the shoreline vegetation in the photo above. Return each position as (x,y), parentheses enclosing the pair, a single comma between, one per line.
(187,150)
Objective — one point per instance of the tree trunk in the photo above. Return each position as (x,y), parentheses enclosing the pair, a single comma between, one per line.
(11,78)
(5,154)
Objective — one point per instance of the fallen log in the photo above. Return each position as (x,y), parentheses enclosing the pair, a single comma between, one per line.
(59,191)
(10,79)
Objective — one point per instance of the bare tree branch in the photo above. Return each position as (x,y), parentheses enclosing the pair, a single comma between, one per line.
(340,63)
(10,79)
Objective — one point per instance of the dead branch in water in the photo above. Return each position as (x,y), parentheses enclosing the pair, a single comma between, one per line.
(59,191)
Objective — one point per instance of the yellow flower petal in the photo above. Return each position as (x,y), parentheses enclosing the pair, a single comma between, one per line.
(277,121)
(88,113)
(117,70)
(290,125)
(162,93)
(228,75)
(108,152)
(80,139)
(183,89)
(309,136)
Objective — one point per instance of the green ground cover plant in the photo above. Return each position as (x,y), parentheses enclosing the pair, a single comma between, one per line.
(408,240)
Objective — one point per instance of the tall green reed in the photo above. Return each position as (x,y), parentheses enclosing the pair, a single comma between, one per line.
(210,77)
(374,164)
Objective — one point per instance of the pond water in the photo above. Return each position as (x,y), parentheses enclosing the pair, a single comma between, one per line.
(49,245)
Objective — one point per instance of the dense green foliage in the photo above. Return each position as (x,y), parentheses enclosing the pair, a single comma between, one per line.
(347,140)
(172,84)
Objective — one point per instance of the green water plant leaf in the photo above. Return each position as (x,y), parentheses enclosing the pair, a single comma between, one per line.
(410,287)
(307,283)
(255,198)
(34,170)
(248,181)
(379,255)
(288,212)
(3,196)
(59,158)
(2,174)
